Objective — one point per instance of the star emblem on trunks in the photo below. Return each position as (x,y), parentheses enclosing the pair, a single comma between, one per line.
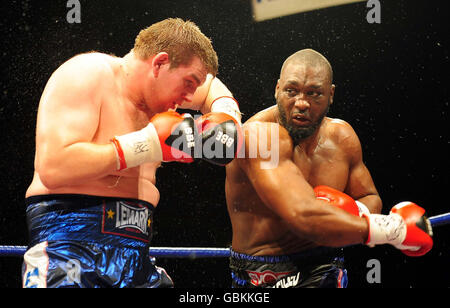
(110,214)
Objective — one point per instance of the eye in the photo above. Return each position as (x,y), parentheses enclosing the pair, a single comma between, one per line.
(291,92)
(189,84)
(314,93)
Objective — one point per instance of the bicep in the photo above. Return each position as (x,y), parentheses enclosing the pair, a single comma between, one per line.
(69,110)
(361,187)
(360,183)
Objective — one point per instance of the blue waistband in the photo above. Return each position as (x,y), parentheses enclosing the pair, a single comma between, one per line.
(82,218)
(315,252)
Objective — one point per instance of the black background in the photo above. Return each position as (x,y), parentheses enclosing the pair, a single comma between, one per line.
(391,86)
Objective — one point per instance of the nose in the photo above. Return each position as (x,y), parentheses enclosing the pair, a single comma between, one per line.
(301,103)
(188,97)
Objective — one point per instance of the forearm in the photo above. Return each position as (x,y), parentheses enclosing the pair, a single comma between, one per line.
(372,202)
(406,228)
(308,217)
(329,226)
(75,164)
(217,89)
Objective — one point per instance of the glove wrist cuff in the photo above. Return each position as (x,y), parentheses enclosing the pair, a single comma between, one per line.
(228,105)
(138,147)
(362,208)
(385,229)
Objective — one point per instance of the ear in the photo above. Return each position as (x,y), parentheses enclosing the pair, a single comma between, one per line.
(333,88)
(277,88)
(158,61)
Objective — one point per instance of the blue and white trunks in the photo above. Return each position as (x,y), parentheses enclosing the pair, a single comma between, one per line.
(81,241)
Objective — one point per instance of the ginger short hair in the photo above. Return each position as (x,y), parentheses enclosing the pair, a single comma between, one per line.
(182,40)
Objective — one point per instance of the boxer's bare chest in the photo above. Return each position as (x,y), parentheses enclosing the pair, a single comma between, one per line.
(323,161)
(323,164)
(118,116)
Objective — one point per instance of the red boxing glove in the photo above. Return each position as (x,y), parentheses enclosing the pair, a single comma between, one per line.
(406,227)
(176,134)
(337,198)
(418,227)
(219,136)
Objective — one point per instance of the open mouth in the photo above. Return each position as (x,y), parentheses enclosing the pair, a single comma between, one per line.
(299,119)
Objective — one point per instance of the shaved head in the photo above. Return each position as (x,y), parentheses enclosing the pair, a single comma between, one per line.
(308,57)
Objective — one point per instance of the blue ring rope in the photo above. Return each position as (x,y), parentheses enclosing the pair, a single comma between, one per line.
(440,220)
(161,252)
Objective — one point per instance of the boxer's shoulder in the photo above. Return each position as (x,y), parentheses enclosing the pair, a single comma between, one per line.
(265,115)
(95,59)
(337,129)
(265,131)
(87,69)
(264,138)
(342,134)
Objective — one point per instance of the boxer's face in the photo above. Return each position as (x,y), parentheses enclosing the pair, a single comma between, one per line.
(175,86)
(304,94)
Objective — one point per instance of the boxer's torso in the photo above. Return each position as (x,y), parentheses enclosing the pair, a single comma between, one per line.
(117,116)
(257,230)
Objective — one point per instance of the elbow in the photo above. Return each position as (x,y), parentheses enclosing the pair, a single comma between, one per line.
(50,176)
(49,180)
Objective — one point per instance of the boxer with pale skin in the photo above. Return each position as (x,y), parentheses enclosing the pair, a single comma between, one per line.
(282,219)
(104,125)
(74,153)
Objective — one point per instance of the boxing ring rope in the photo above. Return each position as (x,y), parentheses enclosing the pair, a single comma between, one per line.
(194,252)
(440,220)
(160,252)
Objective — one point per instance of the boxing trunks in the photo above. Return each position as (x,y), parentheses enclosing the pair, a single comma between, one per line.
(316,268)
(88,241)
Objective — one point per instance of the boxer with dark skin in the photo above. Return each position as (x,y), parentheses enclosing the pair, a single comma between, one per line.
(273,207)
